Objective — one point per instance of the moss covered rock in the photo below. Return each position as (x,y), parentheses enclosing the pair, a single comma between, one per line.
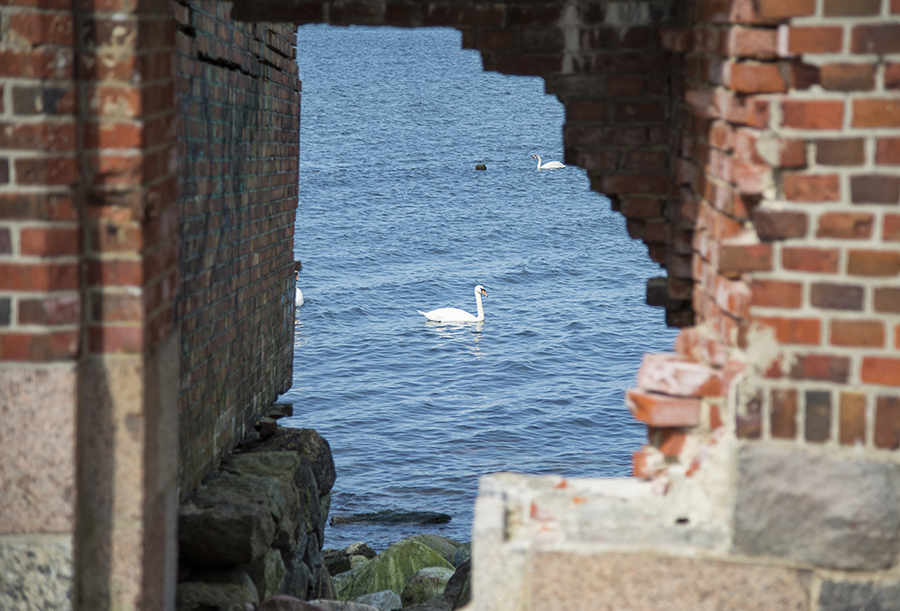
(389,570)
(425,584)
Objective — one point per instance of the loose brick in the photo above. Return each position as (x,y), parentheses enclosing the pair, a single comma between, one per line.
(776,293)
(876,263)
(875,189)
(881,370)
(861,333)
(876,113)
(887,151)
(840,151)
(887,422)
(845,225)
(836,296)
(847,77)
(662,410)
(784,413)
(813,114)
(818,415)
(779,224)
(671,375)
(887,300)
(853,419)
(817,260)
(794,330)
(815,39)
(821,367)
(812,187)
(880,38)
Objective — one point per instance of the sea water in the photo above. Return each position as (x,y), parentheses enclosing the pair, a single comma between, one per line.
(393,218)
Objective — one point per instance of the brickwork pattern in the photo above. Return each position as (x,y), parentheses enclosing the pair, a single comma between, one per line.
(238,103)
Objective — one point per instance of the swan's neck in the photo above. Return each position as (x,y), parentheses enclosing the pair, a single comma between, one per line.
(479,306)
(539,161)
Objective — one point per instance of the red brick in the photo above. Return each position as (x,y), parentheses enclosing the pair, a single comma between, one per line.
(784,9)
(794,330)
(784,413)
(641,463)
(876,263)
(876,113)
(51,138)
(740,258)
(41,28)
(115,273)
(37,63)
(862,333)
(46,171)
(891,228)
(847,77)
(841,151)
(625,85)
(59,310)
(892,76)
(818,415)
(821,367)
(776,294)
(50,241)
(37,207)
(820,260)
(671,375)
(813,114)
(853,418)
(662,410)
(812,187)
(779,224)
(39,347)
(875,189)
(641,207)
(632,183)
(879,38)
(39,276)
(895,6)
(587,110)
(752,77)
(845,225)
(671,442)
(887,422)
(881,370)
(887,299)
(652,112)
(851,8)
(815,39)
(114,339)
(756,43)
(887,151)
(836,296)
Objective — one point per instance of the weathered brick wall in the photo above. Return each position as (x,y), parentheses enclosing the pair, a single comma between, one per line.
(238,104)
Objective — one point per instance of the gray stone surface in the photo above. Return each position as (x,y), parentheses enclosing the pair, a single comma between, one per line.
(307,443)
(824,510)
(462,553)
(228,520)
(267,573)
(340,605)
(286,603)
(386,600)
(36,573)
(215,588)
(425,584)
(859,596)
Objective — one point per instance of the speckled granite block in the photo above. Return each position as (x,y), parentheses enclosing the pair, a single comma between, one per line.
(36,573)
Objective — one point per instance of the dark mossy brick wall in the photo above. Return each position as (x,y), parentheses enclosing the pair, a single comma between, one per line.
(238,103)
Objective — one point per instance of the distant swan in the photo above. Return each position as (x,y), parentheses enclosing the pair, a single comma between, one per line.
(455,314)
(298,297)
(550,165)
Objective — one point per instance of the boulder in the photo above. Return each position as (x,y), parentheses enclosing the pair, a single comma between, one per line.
(305,442)
(298,581)
(229,520)
(324,586)
(480,166)
(442,545)
(352,556)
(215,588)
(267,573)
(456,594)
(286,603)
(386,600)
(391,516)
(389,570)
(425,584)
(462,553)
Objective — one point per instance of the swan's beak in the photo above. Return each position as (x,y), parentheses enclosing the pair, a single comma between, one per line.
(483,292)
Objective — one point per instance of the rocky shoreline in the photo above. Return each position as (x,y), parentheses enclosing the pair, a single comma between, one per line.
(251,539)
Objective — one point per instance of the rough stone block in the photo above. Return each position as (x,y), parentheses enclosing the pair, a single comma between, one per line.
(587,582)
(866,595)
(826,511)
(37,573)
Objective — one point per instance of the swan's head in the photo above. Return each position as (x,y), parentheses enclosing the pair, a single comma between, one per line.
(480,289)
(535,157)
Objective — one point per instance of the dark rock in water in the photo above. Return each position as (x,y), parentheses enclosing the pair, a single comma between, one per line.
(480,166)
(306,442)
(392,517)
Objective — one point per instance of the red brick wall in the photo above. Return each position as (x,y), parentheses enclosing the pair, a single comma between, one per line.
(238,103)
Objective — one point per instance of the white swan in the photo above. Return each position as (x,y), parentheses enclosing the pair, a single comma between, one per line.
(455,314)
(298,297)
(550,165)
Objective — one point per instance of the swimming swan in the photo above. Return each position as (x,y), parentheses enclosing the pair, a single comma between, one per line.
(298,297)
(455,314)
(550,165)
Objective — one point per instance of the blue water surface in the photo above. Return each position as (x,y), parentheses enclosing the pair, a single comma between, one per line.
(393,217)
